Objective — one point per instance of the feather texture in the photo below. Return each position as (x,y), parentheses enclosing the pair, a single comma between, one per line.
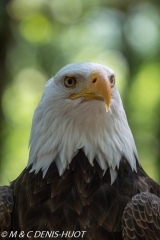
(6,207)
(141,218)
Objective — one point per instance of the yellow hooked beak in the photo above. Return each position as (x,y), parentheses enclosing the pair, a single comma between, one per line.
(99,89)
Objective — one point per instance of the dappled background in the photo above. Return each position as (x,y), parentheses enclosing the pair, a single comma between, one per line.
(41,36)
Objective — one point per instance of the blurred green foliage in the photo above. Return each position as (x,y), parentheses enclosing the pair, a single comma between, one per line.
(41,36)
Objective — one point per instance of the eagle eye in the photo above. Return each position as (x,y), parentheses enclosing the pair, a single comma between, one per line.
(112,80)
(70,82)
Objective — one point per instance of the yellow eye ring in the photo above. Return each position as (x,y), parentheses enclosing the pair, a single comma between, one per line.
(70,82)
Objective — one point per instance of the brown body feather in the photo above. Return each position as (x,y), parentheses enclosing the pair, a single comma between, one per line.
(141,218)
(6,207)
(82,199)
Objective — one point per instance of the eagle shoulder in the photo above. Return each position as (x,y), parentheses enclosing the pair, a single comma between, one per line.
(6,207)
(141,217)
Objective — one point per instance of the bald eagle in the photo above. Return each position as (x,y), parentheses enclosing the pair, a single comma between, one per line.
(83,173)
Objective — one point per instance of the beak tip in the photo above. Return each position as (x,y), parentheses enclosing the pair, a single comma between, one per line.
(107,108)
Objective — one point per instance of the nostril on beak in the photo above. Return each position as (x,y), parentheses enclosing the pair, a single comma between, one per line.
(94,80)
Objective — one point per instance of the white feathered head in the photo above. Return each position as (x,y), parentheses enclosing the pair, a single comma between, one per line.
(81,109)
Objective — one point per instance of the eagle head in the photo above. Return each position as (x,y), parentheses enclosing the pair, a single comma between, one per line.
(81,109)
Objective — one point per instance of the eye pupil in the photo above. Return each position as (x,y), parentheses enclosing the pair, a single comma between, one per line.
(70,81)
